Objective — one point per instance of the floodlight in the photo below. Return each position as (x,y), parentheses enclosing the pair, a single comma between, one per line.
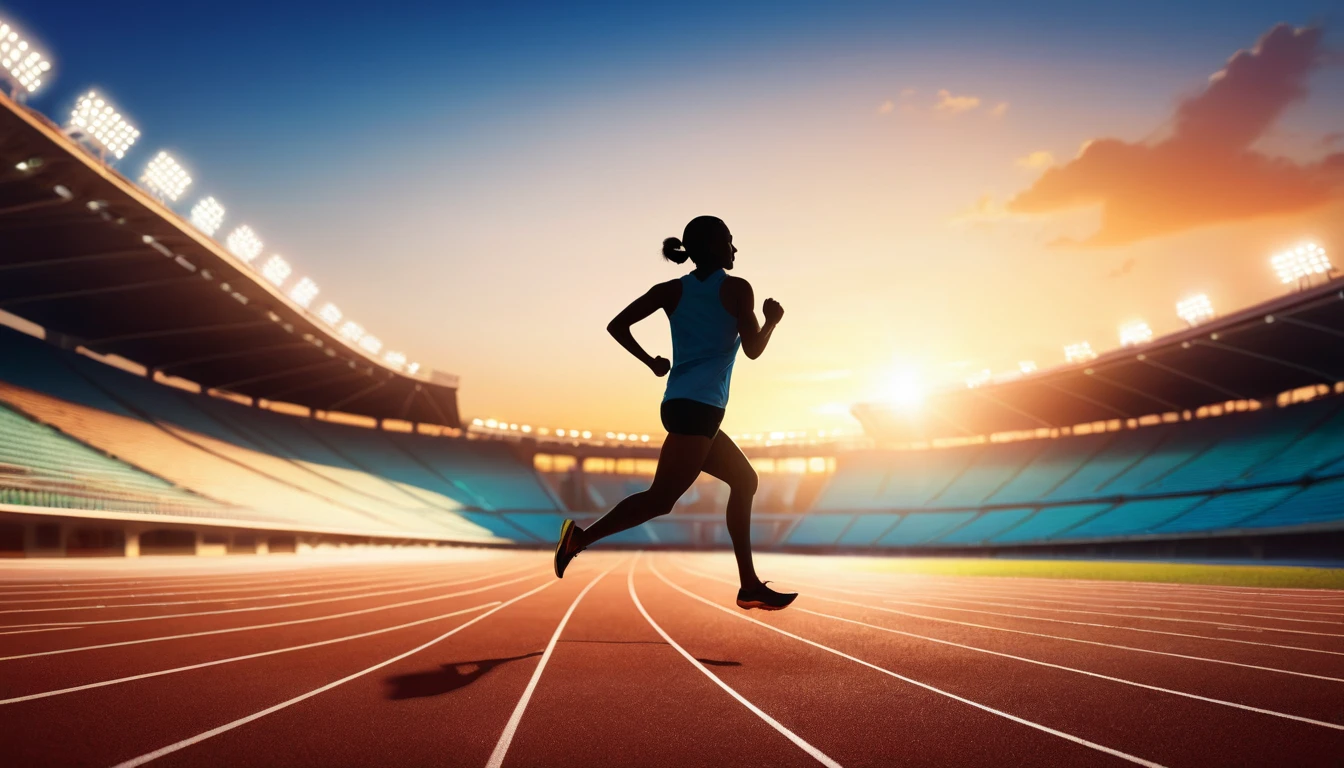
(1079,353)
(559,433)
(395,359)
(491,423)
(1134,333)
(105,126)
(413,368)
(979,378)
(1301,263)
(330,314)
(526,428)
(643,438)
(25,66)
(587,435)
(244,243)
(1195,309)
(165,177)
(1026,366)
(276,269)
(370,344)
(304,292)
(208,216)
(352,330)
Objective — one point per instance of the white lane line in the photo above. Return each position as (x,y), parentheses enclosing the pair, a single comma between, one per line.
(245,657)
(281,584)
(231,599)
(816,754)
(419,585)
(1078,598)
(1219,624)
(506,738)
(1233,704)
(984,707)
(198,738)
(203,580)
(1088,586)
(291,622)
(44,629)
(689,569)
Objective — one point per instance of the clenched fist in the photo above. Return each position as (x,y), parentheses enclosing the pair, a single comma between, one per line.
(773,311)
(660,366)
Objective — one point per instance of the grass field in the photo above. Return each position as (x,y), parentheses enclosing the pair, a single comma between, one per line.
(1185,573)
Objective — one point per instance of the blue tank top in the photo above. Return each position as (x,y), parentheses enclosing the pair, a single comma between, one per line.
(704,343)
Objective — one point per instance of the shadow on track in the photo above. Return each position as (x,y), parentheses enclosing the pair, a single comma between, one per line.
(446,679)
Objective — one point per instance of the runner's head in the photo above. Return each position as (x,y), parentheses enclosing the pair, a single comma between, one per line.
(706,241)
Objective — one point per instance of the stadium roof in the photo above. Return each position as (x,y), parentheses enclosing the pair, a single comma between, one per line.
(91,256)
(1254,354)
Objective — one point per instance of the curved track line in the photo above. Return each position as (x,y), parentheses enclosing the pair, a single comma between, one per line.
(291,622)
(198,738)
(984,707)
(506,738)
(1038,634)
(817,754)
(245,657)
(1078,597)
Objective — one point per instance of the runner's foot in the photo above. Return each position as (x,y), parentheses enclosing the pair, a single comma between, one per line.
(763,597)
(565,549)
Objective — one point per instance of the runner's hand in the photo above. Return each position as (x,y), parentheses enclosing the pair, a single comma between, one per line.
(773,311)
(660,366)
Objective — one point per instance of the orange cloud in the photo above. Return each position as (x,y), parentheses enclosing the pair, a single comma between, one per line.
(1036,160)
(953,105)
(1204,172)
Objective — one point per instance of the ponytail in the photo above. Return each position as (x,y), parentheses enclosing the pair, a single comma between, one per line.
(674,252)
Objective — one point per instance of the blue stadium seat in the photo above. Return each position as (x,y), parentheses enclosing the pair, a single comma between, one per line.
(1227,510)
(1132,518)
(988,524)
(866,528)
(1049,522)
(919,527)
(1321,503)
(819,530)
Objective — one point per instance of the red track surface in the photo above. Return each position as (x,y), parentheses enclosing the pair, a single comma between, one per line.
(483,658)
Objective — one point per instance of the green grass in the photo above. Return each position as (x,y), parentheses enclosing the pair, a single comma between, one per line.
(1182,573)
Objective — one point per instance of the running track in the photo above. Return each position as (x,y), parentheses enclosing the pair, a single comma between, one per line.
(479,658)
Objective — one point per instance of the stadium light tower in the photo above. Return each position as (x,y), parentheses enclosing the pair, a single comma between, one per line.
(1079,353)
(352,331)
(1135,333)
(330,314)
(208,216)
(304,292)
(244,243)
(276,270)
(1301,264)
(165,177)
(395,359)
(102,125)
(370,344)
(24,66)
(1195,309)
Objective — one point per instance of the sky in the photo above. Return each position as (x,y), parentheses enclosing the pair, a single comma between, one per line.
(930,190)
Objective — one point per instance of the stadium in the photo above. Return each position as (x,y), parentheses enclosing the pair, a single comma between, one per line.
(240,530)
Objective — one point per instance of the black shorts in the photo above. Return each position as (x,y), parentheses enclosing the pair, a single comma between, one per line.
(691,417)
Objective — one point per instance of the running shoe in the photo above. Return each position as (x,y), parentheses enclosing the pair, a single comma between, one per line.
(764,598)
(565,549)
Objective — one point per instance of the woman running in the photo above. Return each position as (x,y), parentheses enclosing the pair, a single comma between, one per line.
(712,315)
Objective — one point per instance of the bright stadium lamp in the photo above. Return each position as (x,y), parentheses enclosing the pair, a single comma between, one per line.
(244,243)
(23,65)
(1079,353)
(165,177)
(587,435)
(103,125)
(395,359)
(208,216)
(1195,309)
(1299,265)
(1026,366)
(352,331)
(304,292)
(1134,333)
(370,344)
(412,368)
(276,270)
(330,314)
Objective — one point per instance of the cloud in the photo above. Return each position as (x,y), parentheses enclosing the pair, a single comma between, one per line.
(1205,172)
(887,107)
(953,105)
(999,109)
(1036,160)
(985,208)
